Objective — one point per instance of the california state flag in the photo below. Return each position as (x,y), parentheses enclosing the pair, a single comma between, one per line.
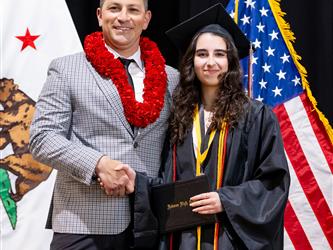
(32,33)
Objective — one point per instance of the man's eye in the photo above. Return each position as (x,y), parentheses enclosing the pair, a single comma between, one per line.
(114,8)
(134,10)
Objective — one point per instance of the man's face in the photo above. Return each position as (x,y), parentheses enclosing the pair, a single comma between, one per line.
(122,22)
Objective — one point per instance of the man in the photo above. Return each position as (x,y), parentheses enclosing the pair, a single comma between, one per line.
(91,124)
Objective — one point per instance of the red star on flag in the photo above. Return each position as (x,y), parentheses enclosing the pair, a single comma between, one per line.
(27,39)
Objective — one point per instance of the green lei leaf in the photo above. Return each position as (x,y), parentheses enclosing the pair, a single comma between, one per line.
(8,203)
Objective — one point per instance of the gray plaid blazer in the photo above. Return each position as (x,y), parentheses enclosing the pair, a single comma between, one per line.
(79,117)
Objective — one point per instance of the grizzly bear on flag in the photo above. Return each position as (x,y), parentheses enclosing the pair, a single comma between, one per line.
(15,120)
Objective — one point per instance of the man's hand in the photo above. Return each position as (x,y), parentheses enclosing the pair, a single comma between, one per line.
(206,203)
(112,176)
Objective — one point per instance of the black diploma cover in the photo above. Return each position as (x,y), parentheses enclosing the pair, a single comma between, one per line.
(171,204)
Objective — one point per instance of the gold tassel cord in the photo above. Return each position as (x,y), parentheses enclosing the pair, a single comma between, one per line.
(236,11)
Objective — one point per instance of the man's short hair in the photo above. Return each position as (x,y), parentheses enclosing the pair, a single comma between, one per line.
(101,2)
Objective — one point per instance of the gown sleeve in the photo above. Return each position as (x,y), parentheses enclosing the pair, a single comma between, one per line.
(255,207)
(145,224)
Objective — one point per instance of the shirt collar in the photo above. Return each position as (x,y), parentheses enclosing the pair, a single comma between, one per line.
(136,56)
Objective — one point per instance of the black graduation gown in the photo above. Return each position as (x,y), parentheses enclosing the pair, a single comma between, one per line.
(254,190)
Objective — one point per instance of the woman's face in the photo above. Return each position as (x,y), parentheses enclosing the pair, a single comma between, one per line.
(210,59)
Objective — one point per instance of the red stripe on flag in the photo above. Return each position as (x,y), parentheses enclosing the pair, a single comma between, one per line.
(295,229)
(304,174)
(319,130)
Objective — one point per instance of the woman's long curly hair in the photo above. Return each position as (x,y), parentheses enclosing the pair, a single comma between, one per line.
(229,102)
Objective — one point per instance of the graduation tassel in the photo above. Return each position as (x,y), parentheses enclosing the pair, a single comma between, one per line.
(236,11)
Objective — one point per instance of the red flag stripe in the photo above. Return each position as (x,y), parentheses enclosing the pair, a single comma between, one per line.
(319,130)
(304,173)
(312,150)
(295,229)
(305,215)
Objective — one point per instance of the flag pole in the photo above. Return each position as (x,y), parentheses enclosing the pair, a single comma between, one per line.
(249,78)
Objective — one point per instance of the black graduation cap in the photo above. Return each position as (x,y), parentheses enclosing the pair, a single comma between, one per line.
(182,34)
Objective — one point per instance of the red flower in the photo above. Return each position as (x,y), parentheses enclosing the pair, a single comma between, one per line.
(155,82)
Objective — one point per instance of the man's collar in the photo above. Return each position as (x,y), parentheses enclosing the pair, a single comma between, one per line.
(136,56)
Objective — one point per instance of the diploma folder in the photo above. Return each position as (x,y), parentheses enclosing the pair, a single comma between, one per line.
(171,204)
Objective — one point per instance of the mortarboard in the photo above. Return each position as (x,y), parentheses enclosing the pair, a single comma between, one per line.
(182,34)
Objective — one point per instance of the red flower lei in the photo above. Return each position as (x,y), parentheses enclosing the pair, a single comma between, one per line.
(137,113)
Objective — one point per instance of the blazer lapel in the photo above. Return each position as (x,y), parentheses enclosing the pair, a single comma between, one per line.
(111,93)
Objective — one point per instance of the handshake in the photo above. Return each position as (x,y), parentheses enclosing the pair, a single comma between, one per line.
(114,177)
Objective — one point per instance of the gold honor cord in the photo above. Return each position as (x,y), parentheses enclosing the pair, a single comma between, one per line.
(219,177)
(201,158)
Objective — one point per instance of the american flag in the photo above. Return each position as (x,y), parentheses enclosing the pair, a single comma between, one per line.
(279,80)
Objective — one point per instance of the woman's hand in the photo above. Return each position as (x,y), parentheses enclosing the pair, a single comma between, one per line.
(206,203)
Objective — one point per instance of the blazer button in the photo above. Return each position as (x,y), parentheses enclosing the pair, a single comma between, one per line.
(135,145)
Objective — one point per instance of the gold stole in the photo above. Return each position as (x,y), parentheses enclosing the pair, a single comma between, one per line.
(201,158)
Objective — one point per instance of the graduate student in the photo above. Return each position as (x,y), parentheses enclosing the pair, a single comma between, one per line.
(217,130)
